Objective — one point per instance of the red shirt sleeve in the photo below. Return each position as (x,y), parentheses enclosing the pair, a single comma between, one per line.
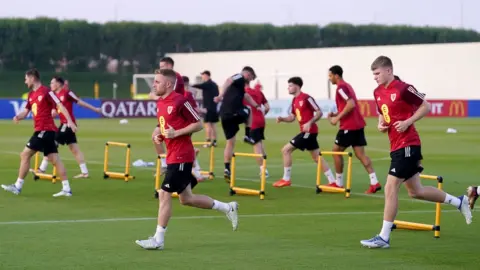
(190,99)
(52,98)
(264,100)
(188,112)
(72,97)
(411,95)
(312,104)
(292,110)
(344,92)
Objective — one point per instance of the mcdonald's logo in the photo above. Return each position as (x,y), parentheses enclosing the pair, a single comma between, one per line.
(364,108)
(457,108)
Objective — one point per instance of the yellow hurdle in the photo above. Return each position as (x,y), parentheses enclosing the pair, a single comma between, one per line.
(325,188)
(211,160)
(43,176)
(406,225)
(245,191)
(117,175)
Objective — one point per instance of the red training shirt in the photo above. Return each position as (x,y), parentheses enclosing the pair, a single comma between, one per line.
(398,102)
(258,118)
(176,111)
(304,108)
(190,99)
(67,98)
(354,119)
(41,102)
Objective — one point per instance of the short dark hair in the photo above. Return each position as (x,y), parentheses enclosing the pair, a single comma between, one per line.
(382,61)
(206,72)
(170,73)
(336,70)
(59,79)
(168,60)
(296,80)
(250,69)
(33,73)
(185,79)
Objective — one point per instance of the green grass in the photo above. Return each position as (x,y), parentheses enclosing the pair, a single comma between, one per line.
(293,228)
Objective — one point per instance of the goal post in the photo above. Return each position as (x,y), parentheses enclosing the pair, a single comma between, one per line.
(142,85)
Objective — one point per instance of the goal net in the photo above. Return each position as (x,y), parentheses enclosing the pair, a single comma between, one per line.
(142,85)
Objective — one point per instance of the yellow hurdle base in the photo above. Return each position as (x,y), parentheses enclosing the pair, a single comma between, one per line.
(247,191)
(44,176)
(328,189)
(210,175)
(116,175)
(398,224)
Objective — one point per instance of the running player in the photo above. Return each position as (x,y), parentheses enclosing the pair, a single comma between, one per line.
(41,101)
(178,121)
(400,105)
(233,112)
(307,112)
(65,135)
(257,128)
(351,132)
(166,63)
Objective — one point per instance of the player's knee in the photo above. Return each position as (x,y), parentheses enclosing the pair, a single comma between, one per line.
(415,193)
(185,200)
(286,150)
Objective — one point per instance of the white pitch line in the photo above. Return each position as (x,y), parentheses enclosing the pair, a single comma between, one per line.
(100,220)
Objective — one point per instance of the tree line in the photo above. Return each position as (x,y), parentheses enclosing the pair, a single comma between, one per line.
(43,42)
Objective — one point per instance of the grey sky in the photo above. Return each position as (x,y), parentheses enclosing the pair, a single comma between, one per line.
(452,13)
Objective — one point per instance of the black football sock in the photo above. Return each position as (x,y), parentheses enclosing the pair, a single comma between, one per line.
(247,131)
(227,166)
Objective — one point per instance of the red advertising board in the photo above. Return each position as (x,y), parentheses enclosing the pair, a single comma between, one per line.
(440,108)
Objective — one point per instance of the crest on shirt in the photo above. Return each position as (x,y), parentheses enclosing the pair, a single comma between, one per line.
(40,98)
(301,103)
(169,109)
(393,96)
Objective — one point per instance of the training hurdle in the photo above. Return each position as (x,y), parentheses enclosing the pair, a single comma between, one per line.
(406,225)
(246,191)
(43,176)
(211,160)
(325,188)
(117,175)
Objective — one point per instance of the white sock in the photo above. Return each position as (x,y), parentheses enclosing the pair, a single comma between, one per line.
(160,234)
(19,183)
(196,166)
(196,173)
(266,171)
(339,179)
(66,185)
(83,168)
(43,165)
(386,230)
(373,178)
(164,162)
(286,173)
(453,200)
(221,206)
(329,176)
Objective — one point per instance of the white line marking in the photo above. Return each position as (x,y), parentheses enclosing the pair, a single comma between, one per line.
(210,217)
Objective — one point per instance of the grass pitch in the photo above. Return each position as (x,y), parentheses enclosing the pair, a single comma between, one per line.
(293,228)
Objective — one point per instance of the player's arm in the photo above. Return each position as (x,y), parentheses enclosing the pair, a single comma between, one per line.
(345,94)
(317,111)
(287,119)
(411,96)
(250,100)
(82,103)
(191,115)
(235,79)
(21,115)
(63,110)
(266,107)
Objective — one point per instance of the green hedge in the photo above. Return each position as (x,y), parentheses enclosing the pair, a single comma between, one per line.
(34,42)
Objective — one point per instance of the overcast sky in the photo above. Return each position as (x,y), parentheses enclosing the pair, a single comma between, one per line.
(452,13)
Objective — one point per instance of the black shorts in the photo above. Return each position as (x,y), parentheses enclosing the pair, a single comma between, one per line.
(211,116)
(306,141)
(178,177)
(347,138)
(65,135)
(43,141)
(231,122)
(406,162)
(257,135)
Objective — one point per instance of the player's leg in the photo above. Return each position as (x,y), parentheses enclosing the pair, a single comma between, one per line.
(428,193)
(338,163)
(66,191)
(196,167)
(358,143)
(80,158)
(34,145)
(257,135)
(230,129)
(314,149)
(472,193)
(248,124)
(43,166)
(159,148)
(212,122)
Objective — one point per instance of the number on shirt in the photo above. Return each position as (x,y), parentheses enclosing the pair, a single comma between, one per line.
(299,116)
(34,109)
(161,120)
(385,114)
